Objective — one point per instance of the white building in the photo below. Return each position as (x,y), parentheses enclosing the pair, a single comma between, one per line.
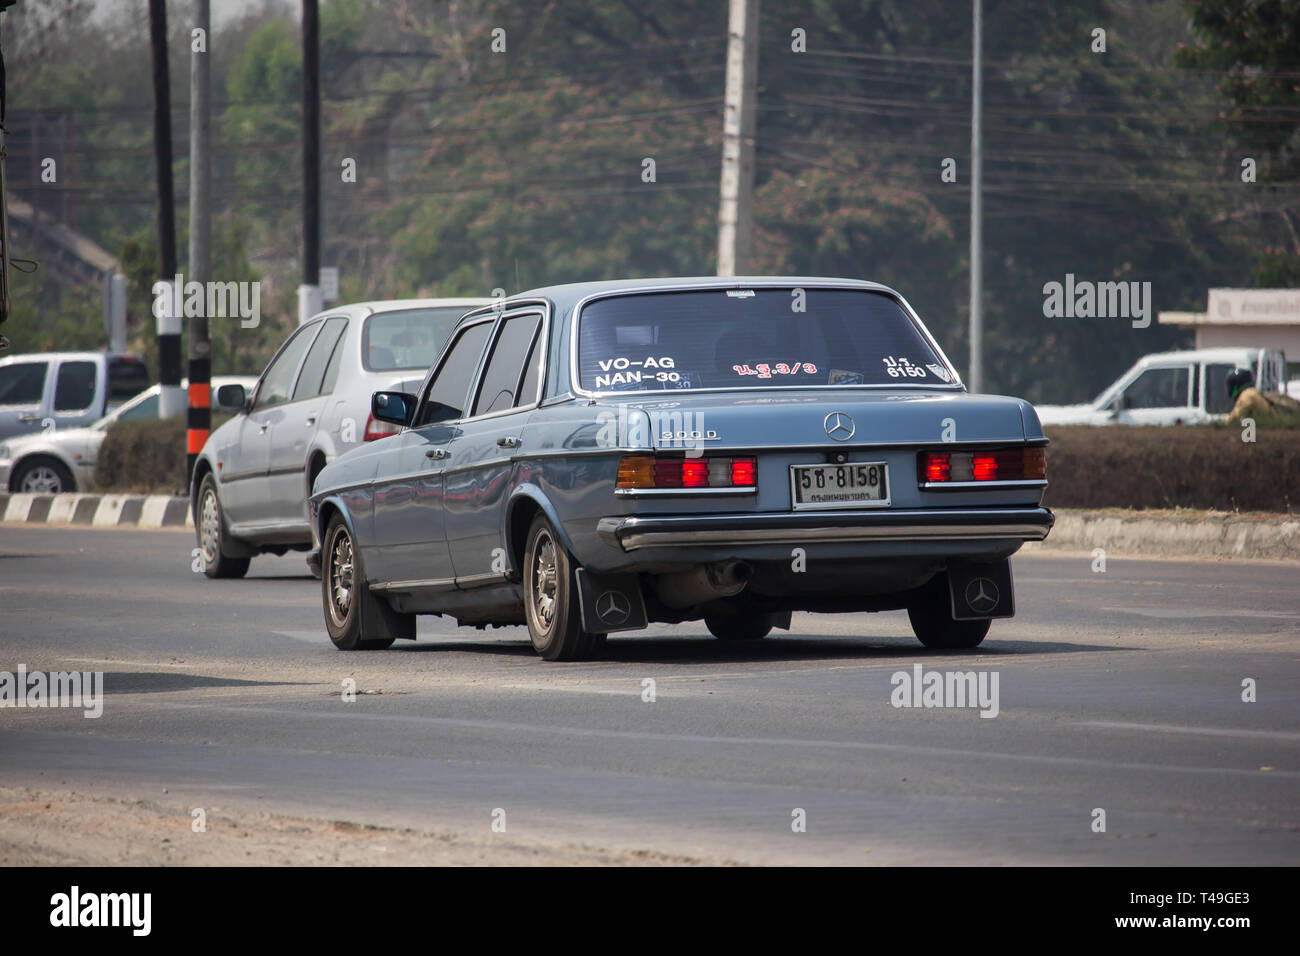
(1252,318)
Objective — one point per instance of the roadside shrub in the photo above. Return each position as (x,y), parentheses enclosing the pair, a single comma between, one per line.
(1173,466)
(145,457)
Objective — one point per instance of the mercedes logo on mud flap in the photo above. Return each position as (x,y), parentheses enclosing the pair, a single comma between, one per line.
(982,595)
(839,426)
(612,608)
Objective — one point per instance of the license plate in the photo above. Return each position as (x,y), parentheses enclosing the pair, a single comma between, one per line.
(856,484)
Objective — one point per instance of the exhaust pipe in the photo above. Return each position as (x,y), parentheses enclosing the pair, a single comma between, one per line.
(704,583)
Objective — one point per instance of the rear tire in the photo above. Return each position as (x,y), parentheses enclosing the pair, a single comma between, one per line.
(43,476)
(933,624)
(551,598)
(356,618)
(210,528)
(738,627)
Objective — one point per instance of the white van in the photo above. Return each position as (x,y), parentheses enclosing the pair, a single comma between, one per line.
(1173,388)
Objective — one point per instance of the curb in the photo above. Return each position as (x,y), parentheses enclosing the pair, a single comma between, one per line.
(101,511)
(1206,534)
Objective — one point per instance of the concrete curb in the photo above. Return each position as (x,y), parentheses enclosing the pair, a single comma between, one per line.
(102,511)
(1202,534)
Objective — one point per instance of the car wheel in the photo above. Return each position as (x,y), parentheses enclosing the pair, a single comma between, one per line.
(932,622)
(738,627)
(210,527)
(356,619)
(43,476)
(551,598)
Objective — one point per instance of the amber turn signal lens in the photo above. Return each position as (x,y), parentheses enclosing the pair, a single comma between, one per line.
(636,471)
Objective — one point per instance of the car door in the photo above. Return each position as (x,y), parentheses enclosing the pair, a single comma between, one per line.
(245,463)
(1160,395)
(295,431)
(479,475)
(409,529)
(22,397)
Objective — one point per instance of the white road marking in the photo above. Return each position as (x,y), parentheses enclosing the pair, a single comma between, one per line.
(1206,731)
(1178,613)
(314,637)
(909,749)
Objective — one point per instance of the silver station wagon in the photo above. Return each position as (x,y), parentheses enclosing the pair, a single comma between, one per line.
(585,459)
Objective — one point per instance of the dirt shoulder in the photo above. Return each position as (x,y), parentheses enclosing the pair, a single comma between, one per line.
(64,828)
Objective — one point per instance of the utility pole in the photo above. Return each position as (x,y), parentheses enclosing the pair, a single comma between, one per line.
(976,383)
(200,390)
(739,121)
(309,293)
(172,400)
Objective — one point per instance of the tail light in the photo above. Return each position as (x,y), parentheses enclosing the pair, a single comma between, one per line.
(647,471)
(1003,464)
(376,429)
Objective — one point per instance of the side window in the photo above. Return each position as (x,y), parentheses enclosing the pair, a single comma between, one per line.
(445,400)
(74,390)
(332,370)
(311,379)
(278,377)
(1158,388)
(505,367)
(23,383)
(1217,401)
(532,371)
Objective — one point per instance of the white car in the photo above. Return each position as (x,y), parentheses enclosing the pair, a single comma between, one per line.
(63,459)
(311,404)
(1173,388)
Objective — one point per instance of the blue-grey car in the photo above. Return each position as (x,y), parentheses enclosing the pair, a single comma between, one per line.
(585,459)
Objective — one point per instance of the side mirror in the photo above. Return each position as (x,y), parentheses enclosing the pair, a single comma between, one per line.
(396,408)
(232,396)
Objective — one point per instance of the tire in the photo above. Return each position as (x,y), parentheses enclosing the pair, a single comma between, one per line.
(356,619)
(738,627)
(43,476)
(210,529)
(933,625)
(551,598)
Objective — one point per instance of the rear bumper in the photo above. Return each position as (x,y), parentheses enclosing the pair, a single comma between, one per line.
(927,524)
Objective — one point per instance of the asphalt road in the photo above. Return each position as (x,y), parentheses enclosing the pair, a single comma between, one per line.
(1119,691)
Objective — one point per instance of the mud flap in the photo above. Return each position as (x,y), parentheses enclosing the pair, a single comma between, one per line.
(610,602)
(981,590)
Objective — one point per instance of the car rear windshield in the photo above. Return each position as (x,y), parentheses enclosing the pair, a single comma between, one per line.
(409,339)
(127,377)
(759,338)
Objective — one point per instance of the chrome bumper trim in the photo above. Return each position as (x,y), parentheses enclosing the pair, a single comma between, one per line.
(966,524)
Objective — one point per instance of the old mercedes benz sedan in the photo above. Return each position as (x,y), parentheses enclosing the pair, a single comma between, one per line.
(585,459)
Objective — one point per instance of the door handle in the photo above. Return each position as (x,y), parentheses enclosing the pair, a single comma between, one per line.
(508,441)
(311,421)
(29,417)
(261,429)
(437,454)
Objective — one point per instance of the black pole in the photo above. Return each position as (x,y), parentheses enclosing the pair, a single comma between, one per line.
(311,142)
(169,327)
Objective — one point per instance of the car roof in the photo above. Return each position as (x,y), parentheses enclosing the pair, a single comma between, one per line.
(1220,354)
(566,295)
(372,306)
(65,356)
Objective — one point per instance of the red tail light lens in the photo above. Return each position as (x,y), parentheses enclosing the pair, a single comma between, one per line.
(376,429)
(935,466)
(1003,464)
(649,471)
